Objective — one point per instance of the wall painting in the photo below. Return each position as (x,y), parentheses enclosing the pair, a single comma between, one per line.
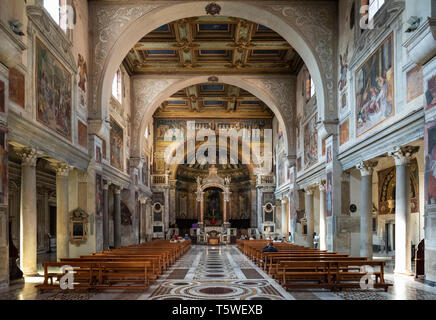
(53,92)
(415,83)
(375,88)
(311,142)
(344,132)
(116,145)
(16,87)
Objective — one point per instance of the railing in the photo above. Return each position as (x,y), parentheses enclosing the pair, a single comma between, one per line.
(160,179)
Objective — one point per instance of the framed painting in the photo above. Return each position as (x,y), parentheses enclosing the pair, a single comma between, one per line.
(53,92)
(415,83)
(344,132)
(82,131)
(17,87)
(430,94)
(375,88)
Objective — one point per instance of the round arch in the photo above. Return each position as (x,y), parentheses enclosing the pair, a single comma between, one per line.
(132,32)
(237,81)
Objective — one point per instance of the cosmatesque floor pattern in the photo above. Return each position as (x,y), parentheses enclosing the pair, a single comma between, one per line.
(223,273)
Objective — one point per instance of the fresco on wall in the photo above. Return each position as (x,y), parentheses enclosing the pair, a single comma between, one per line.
(430,94)
(16,87)
(2,96)
(329,194)
(329,154)
(116,145)
(343,59)
(53,92)
(164,125)
(344,132)
(311,142)
(299,164)
(430,163)
(82,80)
(82,133)
(3,166)
(375,88)
(415,83)
(386,188)
(98,195)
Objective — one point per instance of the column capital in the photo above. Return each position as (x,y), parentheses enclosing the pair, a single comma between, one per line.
(62,169)
(309,190)
(403,155)
(366,167)
(117,190)
(143,200)
(28,156)
(322,186)
(345,177)
(106,185)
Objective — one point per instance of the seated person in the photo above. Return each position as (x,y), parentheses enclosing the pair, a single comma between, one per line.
(269,248)
(187,237)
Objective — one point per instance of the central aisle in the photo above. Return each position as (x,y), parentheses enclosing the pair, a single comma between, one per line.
(220,272)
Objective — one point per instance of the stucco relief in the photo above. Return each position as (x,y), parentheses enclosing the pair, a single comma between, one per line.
(109,24)
(316,24)
(283,92)
(146,91)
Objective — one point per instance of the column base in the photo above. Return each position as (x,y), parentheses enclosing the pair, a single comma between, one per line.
(403,273)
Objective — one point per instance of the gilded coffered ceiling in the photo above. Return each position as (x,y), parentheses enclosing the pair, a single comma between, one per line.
(212,44)
(213,100)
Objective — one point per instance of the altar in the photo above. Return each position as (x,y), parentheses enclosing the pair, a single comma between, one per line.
(213,208)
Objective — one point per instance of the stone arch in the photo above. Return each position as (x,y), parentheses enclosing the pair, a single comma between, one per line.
(151,93)
(308,27)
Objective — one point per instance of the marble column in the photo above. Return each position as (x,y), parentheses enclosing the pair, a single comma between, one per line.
(172,202)
(62,211)
(322,216)
(366,170)
(106,215)
(148,218)
(28,213)
(117,217)
(253,205)
(402,156)
(309,216)
(283,220)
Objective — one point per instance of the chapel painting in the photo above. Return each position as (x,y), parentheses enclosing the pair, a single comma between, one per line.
(414,83)
(116,145)
(53,92)
(430,164)
(3,166)
(387,189)
(311,142)
(375,88)
(430,94)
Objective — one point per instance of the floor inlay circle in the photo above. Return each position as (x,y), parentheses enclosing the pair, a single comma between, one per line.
(216,290)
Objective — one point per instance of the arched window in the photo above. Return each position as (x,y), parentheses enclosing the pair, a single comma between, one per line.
(309,86)
(116,86)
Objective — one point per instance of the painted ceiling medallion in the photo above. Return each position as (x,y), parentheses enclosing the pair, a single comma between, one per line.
(213,79)
(213,9)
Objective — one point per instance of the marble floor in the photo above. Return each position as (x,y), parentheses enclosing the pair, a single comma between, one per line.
(223,273)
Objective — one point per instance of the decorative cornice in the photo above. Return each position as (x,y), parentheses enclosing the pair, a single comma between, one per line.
(52,34)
